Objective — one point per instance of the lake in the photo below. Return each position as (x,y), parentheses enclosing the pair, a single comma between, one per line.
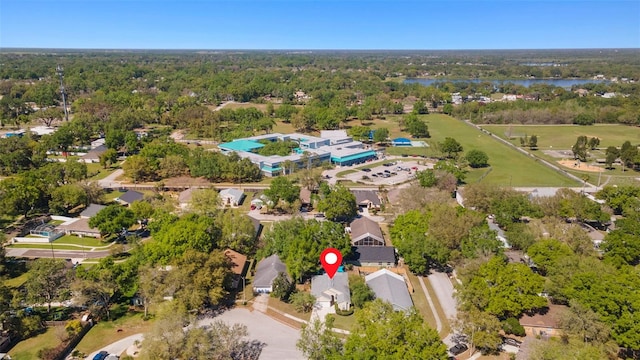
(563,83)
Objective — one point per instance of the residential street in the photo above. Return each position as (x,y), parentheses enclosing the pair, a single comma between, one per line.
(74,255)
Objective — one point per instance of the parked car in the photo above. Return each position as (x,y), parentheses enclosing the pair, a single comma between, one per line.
(101,355)
(458,349)
(512,342)
(366,169)
(319,215)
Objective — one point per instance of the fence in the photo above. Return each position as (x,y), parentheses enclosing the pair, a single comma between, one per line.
(73,342)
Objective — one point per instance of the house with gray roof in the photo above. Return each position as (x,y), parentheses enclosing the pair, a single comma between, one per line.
(332,291)
(372,256)
(129,197)
(390,287)
(367,199)
(91,211)
(266,271)
(365,232)
(231,197)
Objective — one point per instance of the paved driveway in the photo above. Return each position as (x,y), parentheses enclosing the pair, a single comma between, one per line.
(279,340)
(444,292)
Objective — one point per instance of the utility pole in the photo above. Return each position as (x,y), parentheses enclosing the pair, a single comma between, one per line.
(60,72)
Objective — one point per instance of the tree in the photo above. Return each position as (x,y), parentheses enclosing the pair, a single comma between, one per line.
(533,142)
(282,287)
(339,204)
(580,148)
(317,340)
(174,236)
(283,189)
(584,119)
(303,301)
(299,244)
(381,135)
(417,128)
(204,202)
(142,210)
(593,143)
(48,115)
(447,109)
(420,107)
(138,168)
(108,158)
(477,158)
(96,289)
(360,291)
(503,289)
(67,197)
(628,154)
(360,133)
(19,195)
(382,333)
(584,323)
(150,286)
(611,154)
(427,178)
(451,147)
(112,219)
(481,328)
(48,281)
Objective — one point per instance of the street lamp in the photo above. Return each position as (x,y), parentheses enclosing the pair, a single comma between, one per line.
(53,255)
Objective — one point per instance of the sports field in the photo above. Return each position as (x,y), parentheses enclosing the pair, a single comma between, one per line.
(508,166)
(564,136)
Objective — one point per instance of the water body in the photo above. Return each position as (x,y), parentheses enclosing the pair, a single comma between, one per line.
(563,83)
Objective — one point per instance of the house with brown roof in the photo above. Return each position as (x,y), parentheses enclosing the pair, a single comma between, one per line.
(80,227)
(544,322)
(238,266)
(365,232)
(367,199)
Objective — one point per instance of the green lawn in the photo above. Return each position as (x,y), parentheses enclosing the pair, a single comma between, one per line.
(288,308)
(107,332)
(28,349)
(422,305)
(344,322)
(85,241)
(45,246)
(113,195)
(17,281)
(97,172)
(564,136)
(508,166)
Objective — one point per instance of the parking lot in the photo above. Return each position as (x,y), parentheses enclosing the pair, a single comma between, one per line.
(396,172)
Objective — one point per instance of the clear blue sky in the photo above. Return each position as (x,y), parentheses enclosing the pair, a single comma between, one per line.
(319,24)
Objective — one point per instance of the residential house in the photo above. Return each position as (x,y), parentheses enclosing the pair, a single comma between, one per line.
(238,267)
(367,199)
(365,232)
(544,323)
(257,226)
(305,198)
(184,198)
(372,256)
(329,292)
(390,287)
(80,227)
(266,271)
(91,211)
(231,197)
(93,156)
(129,197)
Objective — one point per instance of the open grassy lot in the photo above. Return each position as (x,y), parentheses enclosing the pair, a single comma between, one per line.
(107,332)
(508,166)
(28,349)
(564,136)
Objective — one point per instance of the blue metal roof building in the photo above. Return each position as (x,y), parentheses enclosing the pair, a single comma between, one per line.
(401,142)
(240,145)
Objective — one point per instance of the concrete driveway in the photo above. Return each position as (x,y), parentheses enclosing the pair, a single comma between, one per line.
(444,292)
(278,339)
(119,346)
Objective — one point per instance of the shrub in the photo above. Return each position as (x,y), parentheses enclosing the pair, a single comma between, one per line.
(512,326)
(477,158)
(344,312)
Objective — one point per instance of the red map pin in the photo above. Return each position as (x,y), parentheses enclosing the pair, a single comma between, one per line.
(331,259)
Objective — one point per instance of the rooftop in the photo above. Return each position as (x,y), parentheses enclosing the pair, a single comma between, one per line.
(547,318)
(390,287)
(91,210)
(241,145)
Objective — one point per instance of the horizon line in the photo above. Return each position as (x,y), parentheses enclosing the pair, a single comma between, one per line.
(299,49)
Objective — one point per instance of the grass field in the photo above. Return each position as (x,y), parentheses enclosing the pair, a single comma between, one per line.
(508,166)
(107,332)
(86,241)
(28,349)
(564,136)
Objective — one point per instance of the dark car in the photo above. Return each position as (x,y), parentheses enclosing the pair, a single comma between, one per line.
(512,342)
(101,355)
(458,349)
(366,169)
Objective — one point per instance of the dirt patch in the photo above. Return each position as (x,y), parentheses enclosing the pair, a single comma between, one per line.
(577,165)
